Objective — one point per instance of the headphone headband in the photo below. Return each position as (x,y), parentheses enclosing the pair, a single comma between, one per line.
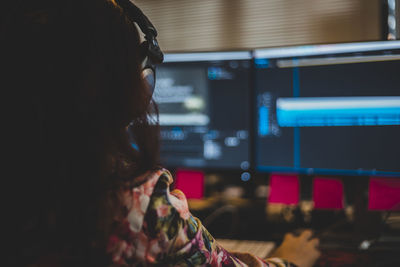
(136,15)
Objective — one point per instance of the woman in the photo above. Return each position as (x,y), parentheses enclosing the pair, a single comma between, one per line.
(81,194)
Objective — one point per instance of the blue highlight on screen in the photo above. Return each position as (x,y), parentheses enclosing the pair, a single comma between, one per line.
(263,115)
(214,73)
(261,63)
(338,111)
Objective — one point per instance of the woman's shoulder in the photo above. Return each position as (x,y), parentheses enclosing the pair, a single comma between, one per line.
(136,198)
(147,205)
(144,184)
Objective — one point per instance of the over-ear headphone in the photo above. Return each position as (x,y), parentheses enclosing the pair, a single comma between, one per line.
(154,54)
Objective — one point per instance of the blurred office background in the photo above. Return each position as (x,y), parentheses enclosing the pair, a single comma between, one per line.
(209,25)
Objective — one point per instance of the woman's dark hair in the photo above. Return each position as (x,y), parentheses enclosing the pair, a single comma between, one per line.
(72,86)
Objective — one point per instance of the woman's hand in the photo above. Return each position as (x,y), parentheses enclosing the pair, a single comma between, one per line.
(300,250)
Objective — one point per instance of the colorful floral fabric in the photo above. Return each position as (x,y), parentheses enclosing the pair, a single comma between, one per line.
(160,231)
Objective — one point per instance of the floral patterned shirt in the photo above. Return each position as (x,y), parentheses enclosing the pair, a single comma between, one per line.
(160,231)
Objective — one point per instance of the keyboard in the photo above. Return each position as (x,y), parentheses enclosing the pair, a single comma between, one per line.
(260,249)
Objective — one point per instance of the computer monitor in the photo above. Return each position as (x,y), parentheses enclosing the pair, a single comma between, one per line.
(329,109)
(203,101)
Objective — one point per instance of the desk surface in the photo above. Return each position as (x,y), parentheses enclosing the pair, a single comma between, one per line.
(260,249)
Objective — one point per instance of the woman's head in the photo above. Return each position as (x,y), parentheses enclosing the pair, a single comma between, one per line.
(74,85)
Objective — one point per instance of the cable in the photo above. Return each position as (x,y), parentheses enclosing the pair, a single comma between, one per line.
(366,244)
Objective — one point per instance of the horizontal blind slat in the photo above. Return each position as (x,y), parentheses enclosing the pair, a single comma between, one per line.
(193,25)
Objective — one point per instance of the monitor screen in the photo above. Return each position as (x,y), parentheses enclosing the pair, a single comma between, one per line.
(331,109)
(203,101)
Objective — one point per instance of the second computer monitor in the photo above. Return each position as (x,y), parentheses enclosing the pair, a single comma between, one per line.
(331,109)
(203,101)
